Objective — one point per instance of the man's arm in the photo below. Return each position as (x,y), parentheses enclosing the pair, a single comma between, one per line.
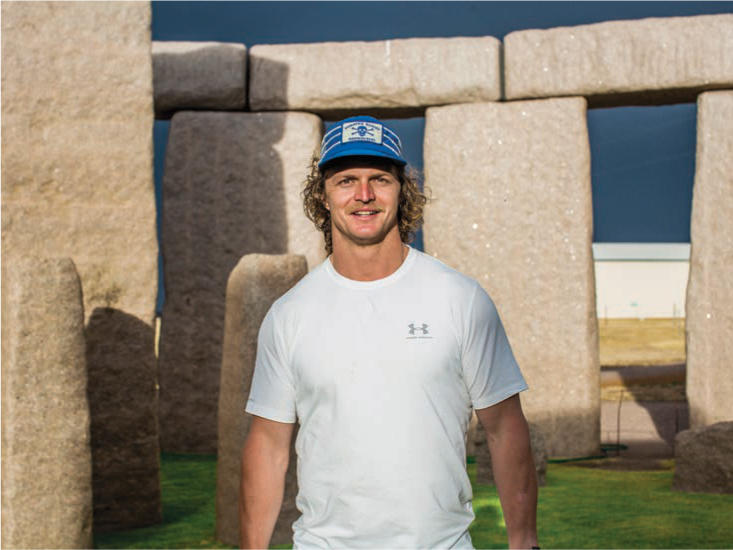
(507,435)
(265,459)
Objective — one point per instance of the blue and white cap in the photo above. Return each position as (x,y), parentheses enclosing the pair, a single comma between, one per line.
(361,136)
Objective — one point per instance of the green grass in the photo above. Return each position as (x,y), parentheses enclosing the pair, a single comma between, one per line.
(579,508)
(188,487)
(593,508)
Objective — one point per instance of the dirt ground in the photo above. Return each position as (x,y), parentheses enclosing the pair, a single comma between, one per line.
(630,348)
(640,342)
(642,391)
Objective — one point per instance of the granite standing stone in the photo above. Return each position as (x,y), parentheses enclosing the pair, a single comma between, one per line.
(199,75)
(231,187)
(77,181)
(256,282)
(709,322)
(46,457)
(651,61)
(388,78)
(703,459)
(512,209)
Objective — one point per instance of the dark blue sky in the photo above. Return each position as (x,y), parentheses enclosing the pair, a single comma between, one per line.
(642,158)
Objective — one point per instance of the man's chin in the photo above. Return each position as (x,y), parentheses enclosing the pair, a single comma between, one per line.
(365,239)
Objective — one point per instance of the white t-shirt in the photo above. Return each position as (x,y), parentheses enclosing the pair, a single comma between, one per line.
(382,376)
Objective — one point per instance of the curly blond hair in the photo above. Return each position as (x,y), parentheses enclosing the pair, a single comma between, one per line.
(409,214)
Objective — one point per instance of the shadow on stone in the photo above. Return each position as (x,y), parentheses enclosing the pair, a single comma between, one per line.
(123,405)
(267,83)
(223,198)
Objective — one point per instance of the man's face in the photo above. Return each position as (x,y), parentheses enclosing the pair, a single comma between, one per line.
(362,194)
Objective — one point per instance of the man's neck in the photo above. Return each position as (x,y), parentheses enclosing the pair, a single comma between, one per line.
(368,263)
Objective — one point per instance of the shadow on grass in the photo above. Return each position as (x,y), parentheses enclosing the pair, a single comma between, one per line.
(188,487)
(191,478)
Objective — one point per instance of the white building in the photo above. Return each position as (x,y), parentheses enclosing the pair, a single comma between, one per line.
(641,279)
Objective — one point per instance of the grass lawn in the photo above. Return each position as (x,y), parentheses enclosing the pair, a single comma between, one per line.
(579,508)
(594,508)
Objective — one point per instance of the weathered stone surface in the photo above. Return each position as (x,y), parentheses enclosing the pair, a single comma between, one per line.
(512,208)
(46,457)
(651,61)
(703,459)
(231,187)
(77,180)
(256,282)
(199,75)
(484,466)
(709,323)
(395,76)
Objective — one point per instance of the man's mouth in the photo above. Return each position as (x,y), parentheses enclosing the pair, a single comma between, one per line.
(365,213)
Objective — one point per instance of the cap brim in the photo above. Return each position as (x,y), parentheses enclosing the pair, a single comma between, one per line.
(361,152)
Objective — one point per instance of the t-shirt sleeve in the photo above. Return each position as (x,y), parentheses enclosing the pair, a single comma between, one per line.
(272,395)
(490,369)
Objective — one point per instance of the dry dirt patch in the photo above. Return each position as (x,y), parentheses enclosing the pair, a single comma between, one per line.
(641,341)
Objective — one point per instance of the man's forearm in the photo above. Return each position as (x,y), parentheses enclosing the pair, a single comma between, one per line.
(260,495)
(507,435)
(516,483)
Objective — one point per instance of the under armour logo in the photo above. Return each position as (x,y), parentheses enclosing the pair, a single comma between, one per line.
(423,328)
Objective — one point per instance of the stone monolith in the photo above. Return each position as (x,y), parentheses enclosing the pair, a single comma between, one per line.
(199,75)
(231,187)
(651,61)
(388,78)
(703,459)
(77,181)
(46,457)
(256,282)
(512,209)
(709,322)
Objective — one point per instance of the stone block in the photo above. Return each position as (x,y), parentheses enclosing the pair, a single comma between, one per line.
(388,78)
(256,282)
(46,456)
(704,459)
(484,466)
(650,61)
(709,322)
(199,75)
(231,187)
(512,208)
(77,181)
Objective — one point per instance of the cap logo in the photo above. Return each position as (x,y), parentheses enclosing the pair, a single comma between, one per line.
(361,131)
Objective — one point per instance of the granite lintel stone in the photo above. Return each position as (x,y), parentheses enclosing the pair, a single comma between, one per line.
(199,75)
(401,77)
(649,61)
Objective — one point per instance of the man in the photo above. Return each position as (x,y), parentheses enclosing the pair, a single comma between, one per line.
(381,353)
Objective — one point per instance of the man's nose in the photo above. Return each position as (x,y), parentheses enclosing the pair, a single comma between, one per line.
(364,192)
